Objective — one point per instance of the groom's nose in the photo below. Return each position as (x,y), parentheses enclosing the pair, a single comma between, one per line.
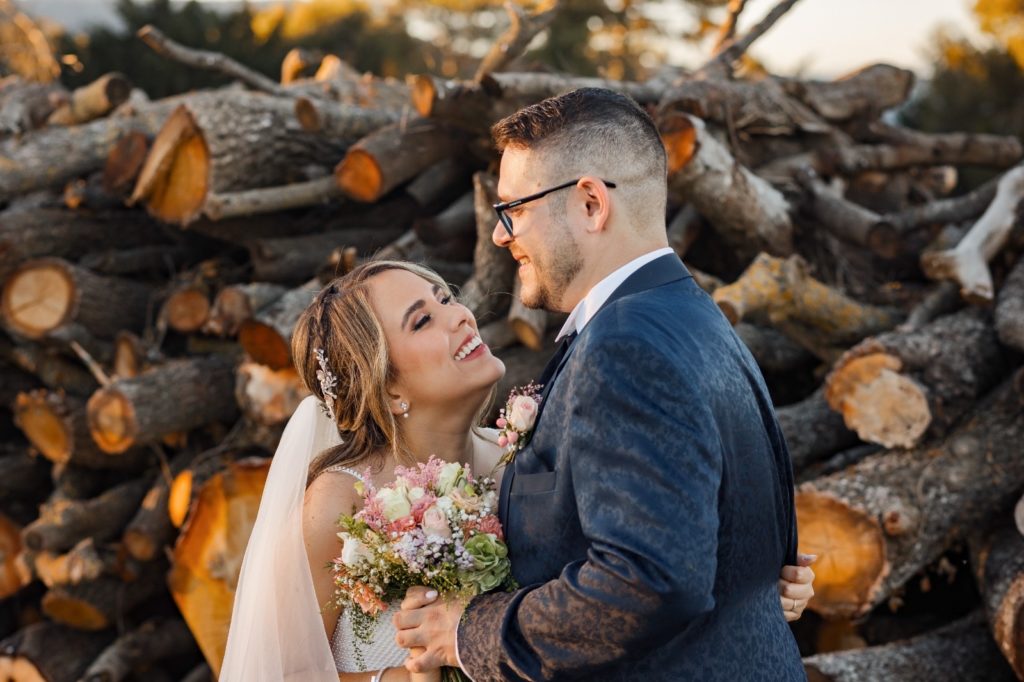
(500,235)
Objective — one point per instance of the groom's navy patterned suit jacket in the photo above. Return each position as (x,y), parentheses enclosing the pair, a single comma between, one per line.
(652,510)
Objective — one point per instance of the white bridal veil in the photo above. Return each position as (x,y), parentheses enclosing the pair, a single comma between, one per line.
(276,631)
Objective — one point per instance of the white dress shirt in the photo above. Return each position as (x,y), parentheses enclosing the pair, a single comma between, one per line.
(583,313)
(595,298)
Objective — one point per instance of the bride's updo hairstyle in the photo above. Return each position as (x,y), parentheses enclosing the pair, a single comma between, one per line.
(341,321)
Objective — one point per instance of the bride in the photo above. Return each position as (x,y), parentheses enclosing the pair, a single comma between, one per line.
(398,366)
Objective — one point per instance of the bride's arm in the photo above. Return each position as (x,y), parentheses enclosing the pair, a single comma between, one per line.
(327,498)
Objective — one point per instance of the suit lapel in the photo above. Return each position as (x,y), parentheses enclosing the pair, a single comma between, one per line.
(658,272)
(663,270)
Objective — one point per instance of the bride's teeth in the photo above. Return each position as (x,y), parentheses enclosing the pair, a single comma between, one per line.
(468,348)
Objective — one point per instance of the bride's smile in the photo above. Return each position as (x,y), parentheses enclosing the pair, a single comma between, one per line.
(434,344)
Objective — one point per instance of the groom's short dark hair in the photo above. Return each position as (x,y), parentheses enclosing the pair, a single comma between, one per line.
(604,117)
(593,131)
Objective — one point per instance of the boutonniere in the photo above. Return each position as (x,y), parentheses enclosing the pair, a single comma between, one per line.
(516,420)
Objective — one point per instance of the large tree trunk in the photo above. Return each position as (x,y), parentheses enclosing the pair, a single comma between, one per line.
(961,652)
(52,369)
(268,396)
(63,522)
(236,303)
(151,530)
(208,555)
(139,410)
(11,579)
(388,157)
(58,426)
(896,388)
(877,523)
(101,603)
(48,652)
(219,142)
(786,292)
(488,292)
(295,259)
(267,336)
(865,93)
(967,264)
(27,234)
(749,214)
(1009,313)
(22,476)
(136,650)
(93,100)
(813,431)
(44,297)
(52,156)
(998,562)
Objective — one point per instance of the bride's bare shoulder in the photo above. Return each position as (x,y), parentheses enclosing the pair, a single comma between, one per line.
(330,494)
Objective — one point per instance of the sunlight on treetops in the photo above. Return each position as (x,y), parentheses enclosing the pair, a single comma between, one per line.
(298,19)
(1004,20)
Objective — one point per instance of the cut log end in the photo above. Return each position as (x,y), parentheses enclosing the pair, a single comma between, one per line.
(264,344)
(139,545)
(44,428)
(877,402)
(359,176)
(128,355)
(174,180)
(680,140)
(884,239)
(208,555)
(186,310)
(112,421)
(69,609)
(308,115)
(11,578)
(424,93)
(851,554)
(38,298)
(125,162)
(179,500)
(1008,626)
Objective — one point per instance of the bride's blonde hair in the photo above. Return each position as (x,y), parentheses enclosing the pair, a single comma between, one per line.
(341,321)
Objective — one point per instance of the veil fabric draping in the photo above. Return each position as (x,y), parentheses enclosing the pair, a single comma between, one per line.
(276,632)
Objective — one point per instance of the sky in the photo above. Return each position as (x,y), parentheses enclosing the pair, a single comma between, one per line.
(821,38)
(833,37)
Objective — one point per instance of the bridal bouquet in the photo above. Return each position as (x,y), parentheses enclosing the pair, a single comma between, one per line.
(436,526)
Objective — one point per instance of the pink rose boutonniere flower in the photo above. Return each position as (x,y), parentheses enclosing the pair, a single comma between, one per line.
(517,419)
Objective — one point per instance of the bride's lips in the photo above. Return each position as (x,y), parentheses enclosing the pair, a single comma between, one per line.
(477,352)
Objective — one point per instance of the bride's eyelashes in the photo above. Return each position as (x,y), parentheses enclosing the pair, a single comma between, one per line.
(422,322)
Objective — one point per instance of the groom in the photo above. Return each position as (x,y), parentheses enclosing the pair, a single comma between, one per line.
(649,515)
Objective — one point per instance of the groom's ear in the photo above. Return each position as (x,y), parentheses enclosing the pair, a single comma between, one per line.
(596,203)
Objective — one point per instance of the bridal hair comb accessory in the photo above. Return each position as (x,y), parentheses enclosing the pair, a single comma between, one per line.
(327,383)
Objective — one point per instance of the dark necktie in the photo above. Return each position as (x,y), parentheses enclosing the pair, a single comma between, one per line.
(556,359)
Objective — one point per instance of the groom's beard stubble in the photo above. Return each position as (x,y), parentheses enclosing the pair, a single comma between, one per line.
(553,277)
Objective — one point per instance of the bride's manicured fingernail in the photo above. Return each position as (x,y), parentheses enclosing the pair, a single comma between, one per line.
(431,594)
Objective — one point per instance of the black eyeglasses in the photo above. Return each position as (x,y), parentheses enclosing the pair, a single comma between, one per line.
(506,221)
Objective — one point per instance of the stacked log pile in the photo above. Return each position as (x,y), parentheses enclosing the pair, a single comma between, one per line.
(154,258)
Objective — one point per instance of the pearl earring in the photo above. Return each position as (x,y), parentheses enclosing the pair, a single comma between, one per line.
(405,410)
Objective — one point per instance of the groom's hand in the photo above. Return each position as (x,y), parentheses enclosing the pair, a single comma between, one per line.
(796,586)
(431,624)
